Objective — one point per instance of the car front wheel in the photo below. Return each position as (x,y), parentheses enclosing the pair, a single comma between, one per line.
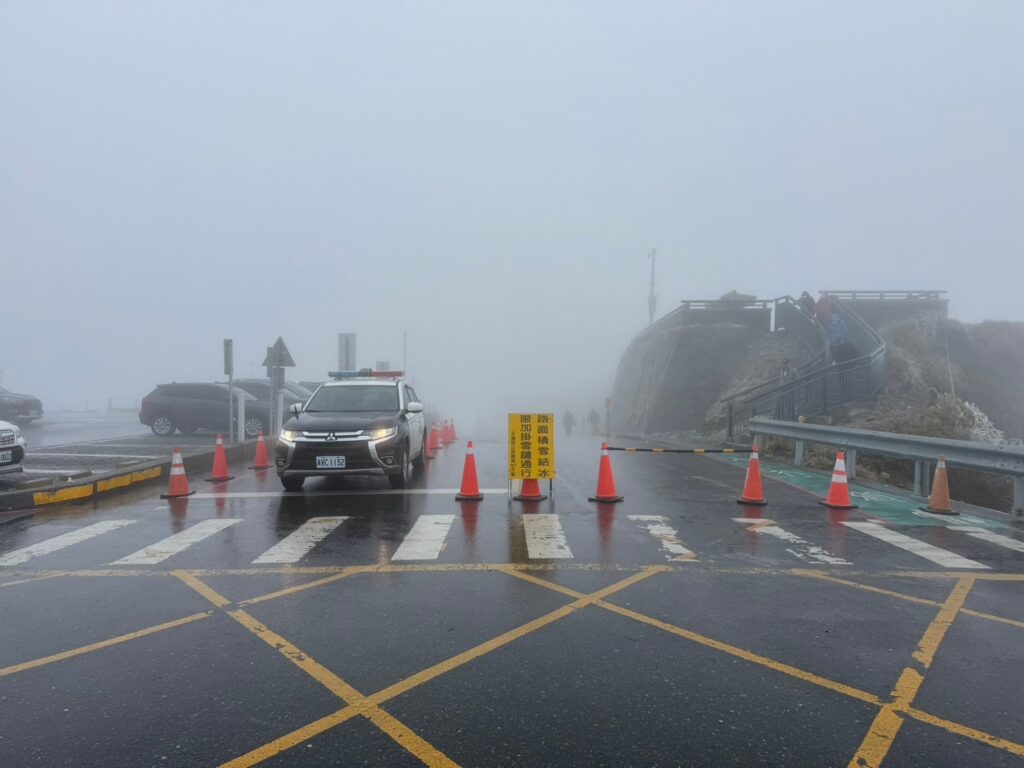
(403,478)
(162,426)
(292,483)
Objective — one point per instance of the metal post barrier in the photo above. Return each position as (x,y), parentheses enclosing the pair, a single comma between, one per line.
(798,453)
(918,488)
(1018,497)
(851,464)
(241,414)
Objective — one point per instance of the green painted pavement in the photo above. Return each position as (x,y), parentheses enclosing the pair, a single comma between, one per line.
(894,508)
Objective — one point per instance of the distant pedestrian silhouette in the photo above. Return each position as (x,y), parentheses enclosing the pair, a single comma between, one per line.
(595,422)
(568,421)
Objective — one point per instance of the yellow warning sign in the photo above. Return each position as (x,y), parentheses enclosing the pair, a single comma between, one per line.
(531,446)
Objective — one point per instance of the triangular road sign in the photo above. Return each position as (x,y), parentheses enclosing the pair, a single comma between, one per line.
(279,356)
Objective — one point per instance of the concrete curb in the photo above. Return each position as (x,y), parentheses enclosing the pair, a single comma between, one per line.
(117,480)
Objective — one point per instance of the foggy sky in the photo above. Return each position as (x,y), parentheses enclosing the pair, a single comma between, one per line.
(487,176)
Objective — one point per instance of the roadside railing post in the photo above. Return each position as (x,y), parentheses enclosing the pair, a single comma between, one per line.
(798,453)
(1018,497)
(917,479)
(851,463)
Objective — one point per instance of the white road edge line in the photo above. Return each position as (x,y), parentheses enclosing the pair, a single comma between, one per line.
(920,548)
(426,539)
(56,543)
(301,541)
(799,548)
(545,539)
(658,527)
(176,543)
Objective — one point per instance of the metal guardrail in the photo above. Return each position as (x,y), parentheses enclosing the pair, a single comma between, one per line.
(985,457)
(886,295)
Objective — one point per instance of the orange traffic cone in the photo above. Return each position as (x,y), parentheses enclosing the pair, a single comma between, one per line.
(220,472)
(435,437)
(260,460)
(753,493)
(470,490)
(430,444)
(605,480)
(939,502)
(530,491)
(839,489)
(452,427)
(447,435)
(177,485)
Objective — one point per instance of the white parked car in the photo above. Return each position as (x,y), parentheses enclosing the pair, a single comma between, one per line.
(12,448)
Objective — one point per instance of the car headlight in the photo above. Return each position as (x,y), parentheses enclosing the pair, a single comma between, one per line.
(384,432)
(289,435)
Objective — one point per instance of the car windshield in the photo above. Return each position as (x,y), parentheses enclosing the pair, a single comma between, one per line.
(353,397)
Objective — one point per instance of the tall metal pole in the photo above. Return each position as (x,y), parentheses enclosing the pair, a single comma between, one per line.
(652,298)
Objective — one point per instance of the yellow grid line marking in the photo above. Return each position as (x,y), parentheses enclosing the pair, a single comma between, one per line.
(299,658)
(292,739)
(889,720)
(436,567)
(402,735)
(964,730)
(924,717)
(476,652)
(299,587)
(208,592)
(370,703)
(518,570)
(908,598)
(732,650)
(35,578)
(103,644)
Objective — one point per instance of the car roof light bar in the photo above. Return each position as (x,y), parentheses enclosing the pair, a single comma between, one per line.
(366,373)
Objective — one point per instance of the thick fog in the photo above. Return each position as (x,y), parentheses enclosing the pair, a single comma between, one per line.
(487,177)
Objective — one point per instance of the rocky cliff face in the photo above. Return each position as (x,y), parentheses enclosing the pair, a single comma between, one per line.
(676,379)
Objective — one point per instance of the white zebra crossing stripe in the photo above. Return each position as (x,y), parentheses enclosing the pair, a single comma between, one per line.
(301,541)
(658,527)
(989,536)
(798,547)
(19,556)
(937,555)
(545,539)
(426,539)
(179,542)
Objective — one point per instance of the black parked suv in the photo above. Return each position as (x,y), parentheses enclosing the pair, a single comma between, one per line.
(188,407)
(20,409)
(353,425)
(260,389)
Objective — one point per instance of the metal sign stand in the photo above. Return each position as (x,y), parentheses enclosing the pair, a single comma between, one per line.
(229,370)
(278,358)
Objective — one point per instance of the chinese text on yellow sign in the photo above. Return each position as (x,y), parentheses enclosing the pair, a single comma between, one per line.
(531,446)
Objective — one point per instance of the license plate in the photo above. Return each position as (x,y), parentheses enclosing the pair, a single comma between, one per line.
(330,462)
(6,457)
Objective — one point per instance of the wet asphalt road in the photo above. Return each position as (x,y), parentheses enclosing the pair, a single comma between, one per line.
(62,427)
(404,628)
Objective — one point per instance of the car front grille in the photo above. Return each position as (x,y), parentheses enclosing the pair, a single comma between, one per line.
(7,437)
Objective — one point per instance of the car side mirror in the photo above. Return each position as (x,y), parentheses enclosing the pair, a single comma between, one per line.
(295,409)
(414,407)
